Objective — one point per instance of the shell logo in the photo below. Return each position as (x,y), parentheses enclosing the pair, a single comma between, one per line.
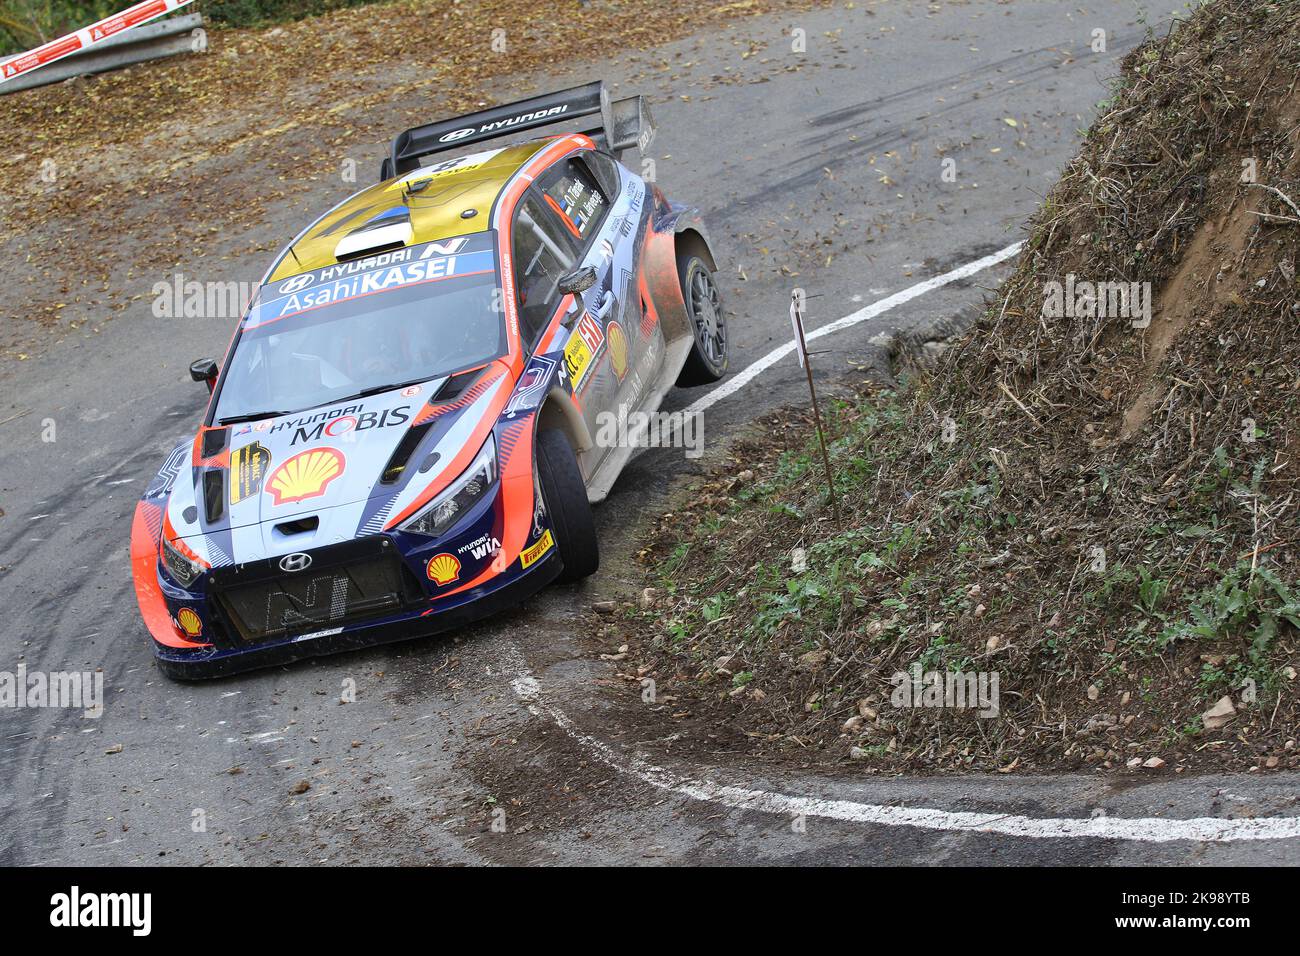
(443,569)
(189,622)
(305,475)
(617,349)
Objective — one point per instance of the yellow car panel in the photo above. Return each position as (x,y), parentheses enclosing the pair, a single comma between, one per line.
(437,196)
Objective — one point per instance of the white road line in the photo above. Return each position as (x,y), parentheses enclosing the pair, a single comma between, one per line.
(738,381)
(1141,829)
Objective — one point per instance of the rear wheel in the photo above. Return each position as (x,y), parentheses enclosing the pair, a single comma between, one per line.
(565,496)
(708,359)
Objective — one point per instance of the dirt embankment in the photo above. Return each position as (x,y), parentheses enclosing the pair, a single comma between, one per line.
(1093,497)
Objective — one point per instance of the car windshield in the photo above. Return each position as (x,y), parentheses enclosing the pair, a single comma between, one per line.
(358,327)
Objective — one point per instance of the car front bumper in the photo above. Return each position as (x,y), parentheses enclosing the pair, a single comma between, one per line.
(492,596)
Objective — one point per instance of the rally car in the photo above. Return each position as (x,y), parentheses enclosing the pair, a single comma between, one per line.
(401,437)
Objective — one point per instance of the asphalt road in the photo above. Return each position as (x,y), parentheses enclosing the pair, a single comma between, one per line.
(822,170)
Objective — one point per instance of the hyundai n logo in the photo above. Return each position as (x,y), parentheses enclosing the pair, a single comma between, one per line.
(295,562)
(297,283)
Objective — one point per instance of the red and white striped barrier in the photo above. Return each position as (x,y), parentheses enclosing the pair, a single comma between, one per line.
(87,37)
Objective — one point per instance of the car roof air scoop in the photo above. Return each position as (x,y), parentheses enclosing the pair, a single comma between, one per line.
(388,230)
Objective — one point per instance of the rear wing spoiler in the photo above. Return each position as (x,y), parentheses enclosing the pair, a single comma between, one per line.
(623,123)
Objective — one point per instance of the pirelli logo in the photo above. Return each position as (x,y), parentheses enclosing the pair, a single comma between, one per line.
(534,552)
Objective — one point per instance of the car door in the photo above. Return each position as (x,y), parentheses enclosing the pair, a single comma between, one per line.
(547,244)
(544,252)
(605,350)
(635,342)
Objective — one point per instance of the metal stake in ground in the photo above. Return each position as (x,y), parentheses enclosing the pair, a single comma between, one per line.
(801,349)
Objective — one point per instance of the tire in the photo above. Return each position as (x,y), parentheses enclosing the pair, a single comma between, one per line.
(565,496)
(707,361)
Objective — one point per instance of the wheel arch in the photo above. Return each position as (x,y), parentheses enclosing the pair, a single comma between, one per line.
(691,241)
(561,412)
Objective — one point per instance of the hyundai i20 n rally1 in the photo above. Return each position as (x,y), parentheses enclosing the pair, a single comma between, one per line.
(401,437)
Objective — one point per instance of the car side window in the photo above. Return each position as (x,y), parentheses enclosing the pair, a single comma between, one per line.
(544,252)
(605,169)
(573,195)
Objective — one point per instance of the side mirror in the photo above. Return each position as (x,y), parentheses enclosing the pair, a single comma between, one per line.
(205,370)
(579,280)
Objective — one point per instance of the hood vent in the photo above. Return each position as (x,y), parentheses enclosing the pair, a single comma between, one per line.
(214,442)
(403,452)
(299,525)
(214,498)
(455,386)
(390,229)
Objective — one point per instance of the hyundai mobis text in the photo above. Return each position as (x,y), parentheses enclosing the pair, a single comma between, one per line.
(401,436)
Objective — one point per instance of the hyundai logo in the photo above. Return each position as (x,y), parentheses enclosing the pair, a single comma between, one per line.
(457,134)
(295,562)
(297,283)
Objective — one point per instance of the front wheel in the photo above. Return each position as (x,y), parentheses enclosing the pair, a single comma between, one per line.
(708,359)
(565,496)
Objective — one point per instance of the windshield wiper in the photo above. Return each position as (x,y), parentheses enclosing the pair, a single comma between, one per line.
(376,389)
(251,417)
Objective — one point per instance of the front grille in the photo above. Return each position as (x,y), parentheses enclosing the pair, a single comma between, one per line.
(348,585)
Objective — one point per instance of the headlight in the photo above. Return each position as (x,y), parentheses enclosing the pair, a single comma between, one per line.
(181,568)
(445,510)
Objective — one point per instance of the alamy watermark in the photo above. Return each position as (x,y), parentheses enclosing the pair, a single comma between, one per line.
(958,690)
(627,429)
(74,909)
(1080,299)
(182,298)
(82,690)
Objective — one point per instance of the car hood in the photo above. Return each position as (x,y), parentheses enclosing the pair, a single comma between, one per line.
(317,477)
